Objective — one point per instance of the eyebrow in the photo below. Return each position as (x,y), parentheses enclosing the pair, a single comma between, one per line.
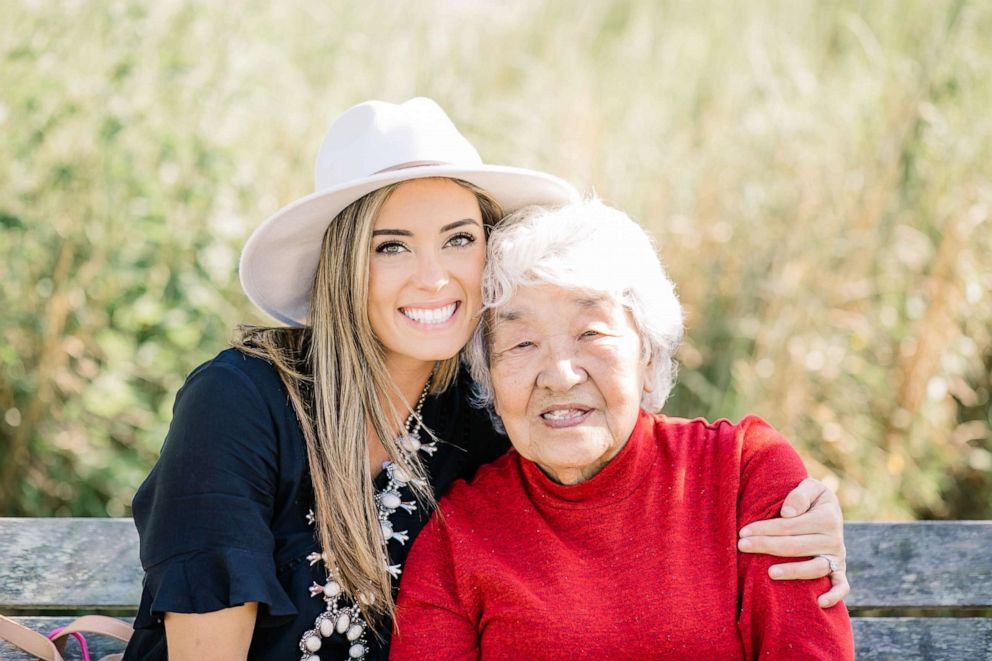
(446,228)
(509,315)
(587,302)
(458,223)
(584,302)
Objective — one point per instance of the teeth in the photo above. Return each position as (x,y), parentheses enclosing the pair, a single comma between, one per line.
(562,414)
(435,316)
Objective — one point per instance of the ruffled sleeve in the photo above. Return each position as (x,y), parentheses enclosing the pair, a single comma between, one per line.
(205,581)
(204,513)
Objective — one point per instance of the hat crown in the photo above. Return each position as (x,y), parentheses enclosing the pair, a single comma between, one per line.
(376,136)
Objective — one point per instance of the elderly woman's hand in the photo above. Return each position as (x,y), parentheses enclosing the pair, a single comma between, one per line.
(811,524)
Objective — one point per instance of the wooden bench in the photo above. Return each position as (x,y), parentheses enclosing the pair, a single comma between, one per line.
(921,590)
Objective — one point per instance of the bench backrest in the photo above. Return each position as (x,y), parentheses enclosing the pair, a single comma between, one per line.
(920,590)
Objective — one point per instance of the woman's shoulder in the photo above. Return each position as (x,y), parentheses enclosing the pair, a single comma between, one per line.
(750,447)
(750,433)
(724,447)
(488,489)
(231,395)
(234,374)
(235,361)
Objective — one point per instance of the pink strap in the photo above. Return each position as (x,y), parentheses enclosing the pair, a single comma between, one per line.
(83,647)
(98,624)
(51,648)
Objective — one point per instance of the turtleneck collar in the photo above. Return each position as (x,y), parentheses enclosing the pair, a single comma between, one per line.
(616,481)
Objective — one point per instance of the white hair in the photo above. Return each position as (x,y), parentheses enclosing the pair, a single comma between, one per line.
(585,246)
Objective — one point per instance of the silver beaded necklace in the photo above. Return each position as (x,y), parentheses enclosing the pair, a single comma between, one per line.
(342,616)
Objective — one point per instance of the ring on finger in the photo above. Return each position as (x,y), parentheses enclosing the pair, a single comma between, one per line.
(834,565)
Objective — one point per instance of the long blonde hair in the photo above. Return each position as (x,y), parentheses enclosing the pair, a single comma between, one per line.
(335,373)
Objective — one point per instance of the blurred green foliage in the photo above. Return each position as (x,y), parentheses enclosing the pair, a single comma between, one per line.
(817,176)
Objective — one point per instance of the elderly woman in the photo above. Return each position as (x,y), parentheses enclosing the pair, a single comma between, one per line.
(609,531)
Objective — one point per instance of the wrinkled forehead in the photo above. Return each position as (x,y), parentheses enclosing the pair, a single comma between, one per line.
(550,306)
(531,302)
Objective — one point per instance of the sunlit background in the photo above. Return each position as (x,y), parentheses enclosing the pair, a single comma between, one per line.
(817,176)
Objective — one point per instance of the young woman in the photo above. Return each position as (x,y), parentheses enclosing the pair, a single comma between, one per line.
(300,464)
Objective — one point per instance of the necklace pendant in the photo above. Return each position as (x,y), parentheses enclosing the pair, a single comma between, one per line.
(331,590)
(390,500)
(343,622)
(311,642)
(397,474)
(409,442)
(325,624)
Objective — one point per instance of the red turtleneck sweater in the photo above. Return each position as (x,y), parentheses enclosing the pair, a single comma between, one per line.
(639,562)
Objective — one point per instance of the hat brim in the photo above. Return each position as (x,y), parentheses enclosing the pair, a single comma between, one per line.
(280,258)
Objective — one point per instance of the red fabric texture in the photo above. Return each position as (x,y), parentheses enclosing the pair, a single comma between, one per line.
(639,562)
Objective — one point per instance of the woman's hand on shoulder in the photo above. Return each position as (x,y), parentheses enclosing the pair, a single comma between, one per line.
(223,635)
(811,525)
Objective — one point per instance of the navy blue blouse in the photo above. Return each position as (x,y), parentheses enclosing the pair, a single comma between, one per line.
(222,515)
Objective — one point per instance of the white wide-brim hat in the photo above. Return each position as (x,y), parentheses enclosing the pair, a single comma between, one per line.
(372,145)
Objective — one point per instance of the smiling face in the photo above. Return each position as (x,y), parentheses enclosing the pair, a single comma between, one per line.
(427,254)
(568,376)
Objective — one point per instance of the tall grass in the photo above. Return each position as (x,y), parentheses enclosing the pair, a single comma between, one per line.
(816,175)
